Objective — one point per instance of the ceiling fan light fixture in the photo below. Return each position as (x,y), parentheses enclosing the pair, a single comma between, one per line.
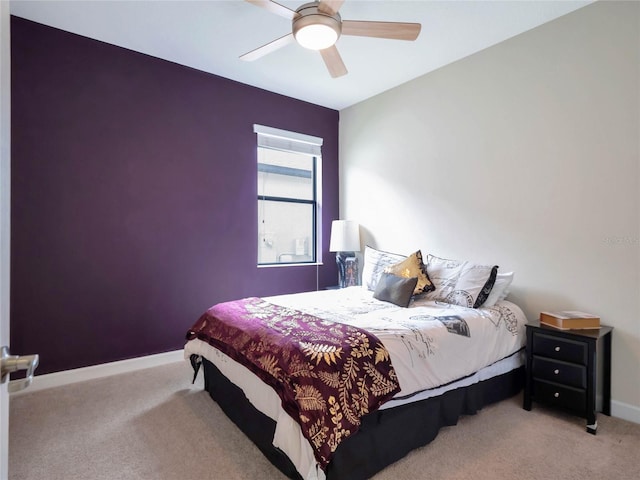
(318,25)
(315,30)
(316,37)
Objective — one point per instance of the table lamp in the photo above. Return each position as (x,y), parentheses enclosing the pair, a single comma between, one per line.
(345,241)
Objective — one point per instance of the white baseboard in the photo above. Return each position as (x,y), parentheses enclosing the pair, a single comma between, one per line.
(58,379)
(625,411)
(66,377)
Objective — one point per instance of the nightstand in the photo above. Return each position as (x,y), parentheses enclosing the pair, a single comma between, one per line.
(570,369)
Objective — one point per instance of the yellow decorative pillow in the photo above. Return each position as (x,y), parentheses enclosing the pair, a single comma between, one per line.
(412,267)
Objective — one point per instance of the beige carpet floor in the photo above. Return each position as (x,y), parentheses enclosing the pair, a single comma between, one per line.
(154,425)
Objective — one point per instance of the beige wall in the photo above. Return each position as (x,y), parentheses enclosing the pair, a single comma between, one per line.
(527,155)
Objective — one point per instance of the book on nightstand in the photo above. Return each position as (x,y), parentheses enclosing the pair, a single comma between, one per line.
(570,320)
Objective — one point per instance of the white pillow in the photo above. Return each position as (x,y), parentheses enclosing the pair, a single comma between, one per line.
(375,261)
(444,274)
(500,289)
(460,282)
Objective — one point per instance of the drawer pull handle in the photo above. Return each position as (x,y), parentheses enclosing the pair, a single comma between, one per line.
(557,349)
(556,371)
(556,394)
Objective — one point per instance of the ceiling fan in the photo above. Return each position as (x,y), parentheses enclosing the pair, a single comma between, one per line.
(318,25)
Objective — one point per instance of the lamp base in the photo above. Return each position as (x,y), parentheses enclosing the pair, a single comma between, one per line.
(347,269)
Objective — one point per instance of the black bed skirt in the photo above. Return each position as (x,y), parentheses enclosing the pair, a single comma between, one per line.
(370,450)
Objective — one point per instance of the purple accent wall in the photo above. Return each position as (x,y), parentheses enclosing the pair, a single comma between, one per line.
(133,202)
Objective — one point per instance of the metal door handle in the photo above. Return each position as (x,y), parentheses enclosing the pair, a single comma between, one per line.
(13,363)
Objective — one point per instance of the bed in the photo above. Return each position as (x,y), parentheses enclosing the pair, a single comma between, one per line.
(358,380)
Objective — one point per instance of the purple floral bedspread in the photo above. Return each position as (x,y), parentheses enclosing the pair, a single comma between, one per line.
(327,374)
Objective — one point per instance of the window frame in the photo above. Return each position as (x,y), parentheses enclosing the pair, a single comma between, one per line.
(297,143)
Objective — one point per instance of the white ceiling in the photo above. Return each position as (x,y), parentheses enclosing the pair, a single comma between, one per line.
(211,35)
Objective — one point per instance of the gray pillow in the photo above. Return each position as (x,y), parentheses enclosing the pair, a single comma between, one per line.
(394,289)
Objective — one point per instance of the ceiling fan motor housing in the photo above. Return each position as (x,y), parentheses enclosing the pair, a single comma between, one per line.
(310,18)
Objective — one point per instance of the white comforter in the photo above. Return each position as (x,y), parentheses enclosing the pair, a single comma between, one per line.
(430,344)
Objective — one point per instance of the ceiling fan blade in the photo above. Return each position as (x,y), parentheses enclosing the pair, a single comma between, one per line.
(393,30)
(276,8)
(330,7)
(268,48)
(333,61)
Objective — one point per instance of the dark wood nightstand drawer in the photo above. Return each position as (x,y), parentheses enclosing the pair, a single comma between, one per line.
(559,348)
(560,372)
(559,395)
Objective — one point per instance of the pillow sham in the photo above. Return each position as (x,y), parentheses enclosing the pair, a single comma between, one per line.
(413,266)
(500,289)
(444,274)
(486,289)
(394,289)
(375,261)
(460,282)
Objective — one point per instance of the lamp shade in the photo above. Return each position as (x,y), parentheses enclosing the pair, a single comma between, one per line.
(345,236)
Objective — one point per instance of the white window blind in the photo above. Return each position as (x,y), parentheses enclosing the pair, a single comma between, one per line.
(275,138)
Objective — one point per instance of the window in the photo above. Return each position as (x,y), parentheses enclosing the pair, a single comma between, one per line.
(288,196)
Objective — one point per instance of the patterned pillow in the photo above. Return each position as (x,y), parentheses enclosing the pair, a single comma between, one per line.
(375,261)
(486,289)
(444,274)
(460,282)
(394,289)
(411,267)
(500,289)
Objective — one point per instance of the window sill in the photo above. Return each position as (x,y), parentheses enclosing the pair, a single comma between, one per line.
(277,265)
